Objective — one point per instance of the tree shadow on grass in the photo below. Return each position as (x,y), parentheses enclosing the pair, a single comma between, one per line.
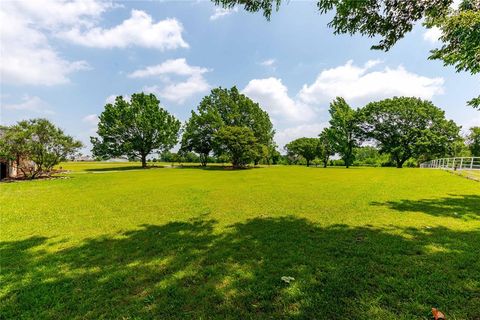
(455,206)
(191,270)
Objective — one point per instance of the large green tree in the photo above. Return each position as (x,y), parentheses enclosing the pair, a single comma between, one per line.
(473,141)
(238,144)
(344,130)
(227,107)
(407,127)
(36,140)
(135,128)
(308,148)
(391,20)
(198,133)
(325,146)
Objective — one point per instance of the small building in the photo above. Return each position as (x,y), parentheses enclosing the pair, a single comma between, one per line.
(6,169)
(12,169)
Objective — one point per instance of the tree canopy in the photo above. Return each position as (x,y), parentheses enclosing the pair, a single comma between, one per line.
(407,127)
(473,141)
(325,146)
(135,128)
(36,140)
(198,133)
(237,143)
(304,147)
(344,132)
(228,108)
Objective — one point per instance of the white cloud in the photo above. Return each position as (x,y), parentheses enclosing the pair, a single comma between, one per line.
(268,62)
(432,35)
(31,105)
(300,115)
(181,91)
(176,91)
(176,66)
(53,14)
(91,119)
(138,30)
(27,57)
(284,136)
(222,12)
(111,98)
(361,84)
(272,95)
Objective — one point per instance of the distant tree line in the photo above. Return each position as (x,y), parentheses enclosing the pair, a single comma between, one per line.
(390,132)
(228,127)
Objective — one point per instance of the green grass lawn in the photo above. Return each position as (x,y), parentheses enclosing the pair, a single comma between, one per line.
(472,174)
(361,243)
(93,166)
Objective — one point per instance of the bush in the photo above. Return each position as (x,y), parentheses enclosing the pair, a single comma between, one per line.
(337,162)
(411,163)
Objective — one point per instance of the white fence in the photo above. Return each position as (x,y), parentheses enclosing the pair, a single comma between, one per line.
(458,163)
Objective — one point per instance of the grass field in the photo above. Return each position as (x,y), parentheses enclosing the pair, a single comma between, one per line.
(471,174)
(360,243)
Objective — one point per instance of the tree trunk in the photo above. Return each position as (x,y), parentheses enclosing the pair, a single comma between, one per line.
(144,160)
(400,163)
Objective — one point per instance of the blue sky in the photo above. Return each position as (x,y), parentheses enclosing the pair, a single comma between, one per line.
(64,60)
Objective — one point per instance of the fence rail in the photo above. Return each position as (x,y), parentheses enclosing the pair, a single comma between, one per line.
(457,163)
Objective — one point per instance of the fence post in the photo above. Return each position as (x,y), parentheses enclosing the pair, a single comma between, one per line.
(461,163)
(471,164)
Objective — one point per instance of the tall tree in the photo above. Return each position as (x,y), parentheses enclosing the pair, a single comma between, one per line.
(236,109)
(135,128)
(325,146)
(473,141)
(238,143)
(344,131)
(307,148)
(407,127)
(227,107)
(391,20)
(198,133)
(36,140)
